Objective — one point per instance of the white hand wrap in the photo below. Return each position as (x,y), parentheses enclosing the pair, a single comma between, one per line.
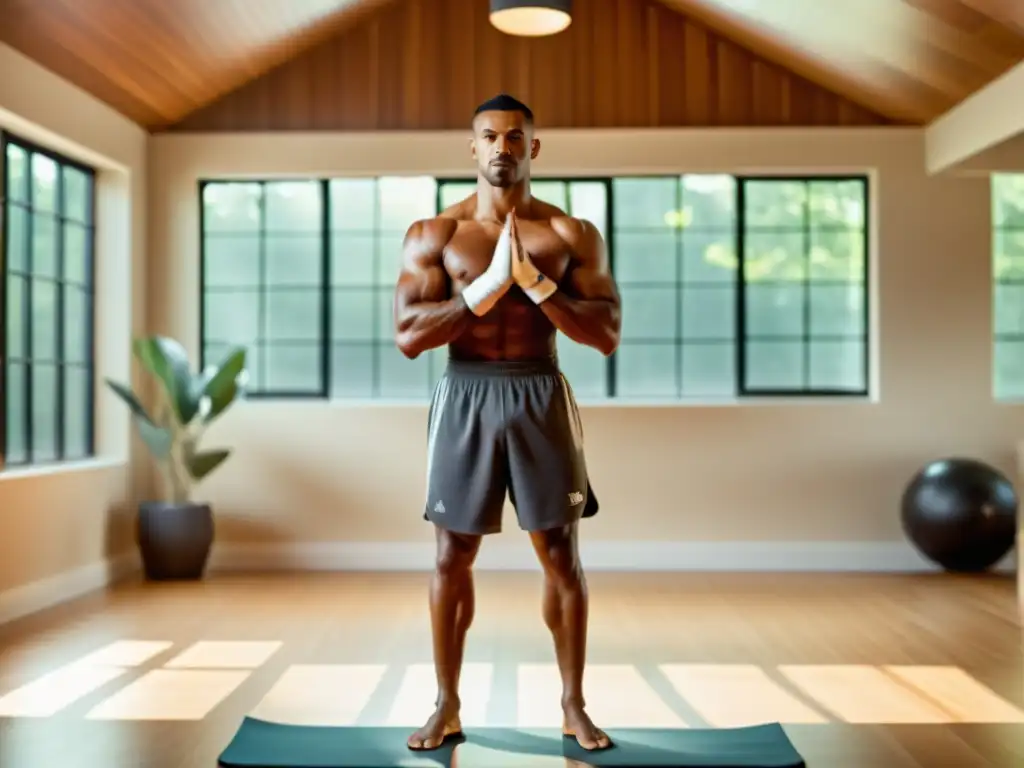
(534,283)
(483,293)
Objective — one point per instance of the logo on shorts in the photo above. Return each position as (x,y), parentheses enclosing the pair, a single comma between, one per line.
(575,498)
(439,508)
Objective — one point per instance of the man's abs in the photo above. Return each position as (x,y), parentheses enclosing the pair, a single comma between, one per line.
(514,330)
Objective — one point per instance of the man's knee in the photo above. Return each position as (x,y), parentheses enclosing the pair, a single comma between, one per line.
(558,553)
(455,552)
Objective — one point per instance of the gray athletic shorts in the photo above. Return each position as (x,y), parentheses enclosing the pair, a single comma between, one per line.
(505,427)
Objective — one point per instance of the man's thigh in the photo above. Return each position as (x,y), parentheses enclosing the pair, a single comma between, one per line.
(467,476)
(547,465)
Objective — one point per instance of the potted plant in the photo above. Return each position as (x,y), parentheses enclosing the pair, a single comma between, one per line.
(175,533)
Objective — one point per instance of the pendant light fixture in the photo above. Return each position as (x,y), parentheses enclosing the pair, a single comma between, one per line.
(531,18)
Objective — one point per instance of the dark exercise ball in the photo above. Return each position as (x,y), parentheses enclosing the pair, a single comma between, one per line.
(960,514)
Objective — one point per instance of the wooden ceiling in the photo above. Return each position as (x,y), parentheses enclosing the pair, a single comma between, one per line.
(158,61)
(424,65)
(909,59)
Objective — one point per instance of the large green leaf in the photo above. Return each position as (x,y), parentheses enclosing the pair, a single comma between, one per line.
(199,383)
(167,360)
(222,388)
(157,439)
(130,399)
(201,464)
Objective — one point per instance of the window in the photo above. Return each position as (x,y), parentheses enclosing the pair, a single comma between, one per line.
(303,274)
(731,286)
(47,340)
(674,244)
(1008,288)
(262,277)
(803,286)
(369,219)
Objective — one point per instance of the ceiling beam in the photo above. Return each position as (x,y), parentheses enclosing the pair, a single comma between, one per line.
(984,120)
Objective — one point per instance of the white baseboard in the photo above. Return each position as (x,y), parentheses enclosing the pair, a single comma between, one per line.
(867,556)
(35,596)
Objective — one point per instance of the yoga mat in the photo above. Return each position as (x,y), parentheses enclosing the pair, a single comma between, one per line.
(259,744)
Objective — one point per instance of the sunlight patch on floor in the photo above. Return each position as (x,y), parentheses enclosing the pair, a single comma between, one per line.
(170,694)
(737,695)
(61,688)
(224,655)
(126,653)
(862,694)
(414,702)
(615,693)
(967,700)
(320,694)
(203,675)
(53,692)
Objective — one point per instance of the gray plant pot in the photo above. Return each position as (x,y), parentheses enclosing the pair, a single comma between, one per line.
(174,539)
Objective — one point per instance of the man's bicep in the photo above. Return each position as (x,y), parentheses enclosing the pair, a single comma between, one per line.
(590,275)
(422,276)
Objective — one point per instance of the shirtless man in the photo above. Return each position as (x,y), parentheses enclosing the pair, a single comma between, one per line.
(495,277)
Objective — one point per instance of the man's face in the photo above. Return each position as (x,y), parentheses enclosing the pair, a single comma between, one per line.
(503,146)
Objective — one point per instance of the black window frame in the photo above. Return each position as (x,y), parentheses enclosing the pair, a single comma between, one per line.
(741,338)
(318,393)
(9,138)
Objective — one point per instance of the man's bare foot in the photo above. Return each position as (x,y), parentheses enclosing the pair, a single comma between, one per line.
(443,723)
(577,723)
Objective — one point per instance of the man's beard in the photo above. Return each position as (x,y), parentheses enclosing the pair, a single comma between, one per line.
(501,176)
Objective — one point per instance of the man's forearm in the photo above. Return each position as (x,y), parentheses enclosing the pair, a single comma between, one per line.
(593,322)
(431,324)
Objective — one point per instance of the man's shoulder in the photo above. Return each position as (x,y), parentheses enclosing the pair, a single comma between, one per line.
(577,233)
(434,232)
(565,226)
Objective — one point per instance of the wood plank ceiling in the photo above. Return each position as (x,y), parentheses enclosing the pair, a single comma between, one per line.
(158,61)
(909,59)
(424,65)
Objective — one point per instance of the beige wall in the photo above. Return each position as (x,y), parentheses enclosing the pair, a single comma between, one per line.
(1005,157)
(751,484)
(64,529)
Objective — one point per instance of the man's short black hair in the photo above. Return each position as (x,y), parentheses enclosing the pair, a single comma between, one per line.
(503,102)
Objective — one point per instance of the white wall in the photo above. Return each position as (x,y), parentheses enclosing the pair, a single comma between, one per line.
(762,485)
(64,529)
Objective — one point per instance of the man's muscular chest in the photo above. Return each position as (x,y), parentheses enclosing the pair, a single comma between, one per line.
(469,252)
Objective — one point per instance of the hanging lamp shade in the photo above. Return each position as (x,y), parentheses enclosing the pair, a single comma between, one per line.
(531,18)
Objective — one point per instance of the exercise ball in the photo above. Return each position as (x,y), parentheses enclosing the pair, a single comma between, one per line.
(961,514)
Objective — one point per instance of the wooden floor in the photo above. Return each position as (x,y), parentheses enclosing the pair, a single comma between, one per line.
(863,671)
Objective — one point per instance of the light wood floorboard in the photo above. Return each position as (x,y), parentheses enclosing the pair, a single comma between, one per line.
(864,671)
